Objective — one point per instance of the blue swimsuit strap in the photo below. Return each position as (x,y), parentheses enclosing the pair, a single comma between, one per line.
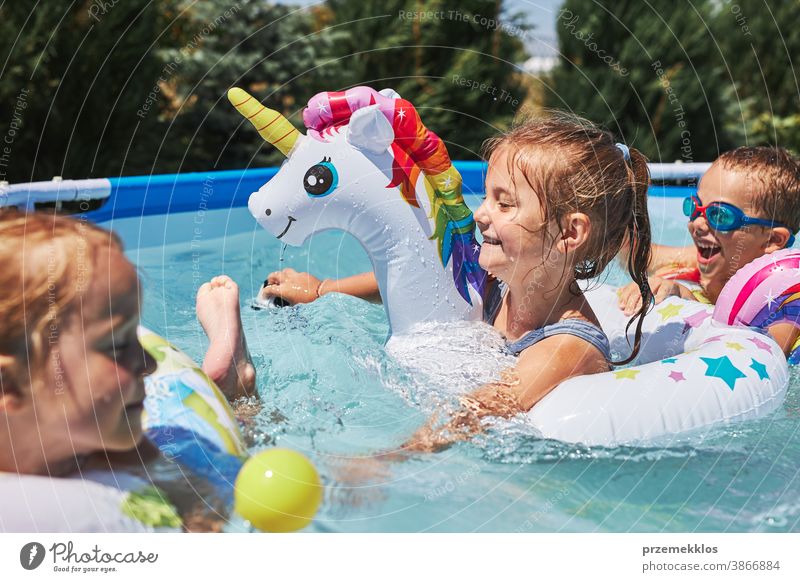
(577,327)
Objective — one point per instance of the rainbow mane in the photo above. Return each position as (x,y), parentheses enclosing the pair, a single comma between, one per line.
(415,148)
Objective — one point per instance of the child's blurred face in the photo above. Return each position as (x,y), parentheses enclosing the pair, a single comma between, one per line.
(721,254)
(97,368)
(510,219)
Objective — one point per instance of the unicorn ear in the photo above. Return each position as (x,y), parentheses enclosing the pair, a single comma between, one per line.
(390,93)
(370,130)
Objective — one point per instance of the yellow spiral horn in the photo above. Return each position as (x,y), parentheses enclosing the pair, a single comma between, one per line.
(271,125)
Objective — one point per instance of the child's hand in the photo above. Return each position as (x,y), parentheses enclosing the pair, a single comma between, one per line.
(630,298)
(291,286)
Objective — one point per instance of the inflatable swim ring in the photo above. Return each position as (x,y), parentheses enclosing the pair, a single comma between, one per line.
(190,421)
(188,418)
(692,372)
(91,501)
(764,293)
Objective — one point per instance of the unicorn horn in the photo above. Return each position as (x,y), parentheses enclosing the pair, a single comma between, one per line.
(271,125)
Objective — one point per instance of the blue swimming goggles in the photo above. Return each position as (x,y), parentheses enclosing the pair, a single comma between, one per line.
(727,217)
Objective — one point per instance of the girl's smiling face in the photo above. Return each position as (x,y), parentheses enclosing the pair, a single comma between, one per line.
(511,220)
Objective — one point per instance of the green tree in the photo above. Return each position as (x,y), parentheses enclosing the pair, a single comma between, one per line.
(651,75)
(760,53)
(270,50)
(137,87)
(456,61)
(71,87)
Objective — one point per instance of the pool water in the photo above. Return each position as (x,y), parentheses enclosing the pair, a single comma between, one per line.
(331,390)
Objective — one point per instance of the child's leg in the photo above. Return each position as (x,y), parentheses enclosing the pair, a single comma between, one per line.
(227,360)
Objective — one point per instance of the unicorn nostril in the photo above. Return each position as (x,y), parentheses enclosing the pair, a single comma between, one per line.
(268,212)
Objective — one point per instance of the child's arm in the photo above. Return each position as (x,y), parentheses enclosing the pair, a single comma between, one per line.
(630,297)
(785,335)
(363,285)
(297,287)
(539,370)
(664,256)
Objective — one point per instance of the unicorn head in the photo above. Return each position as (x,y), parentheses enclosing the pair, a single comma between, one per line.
(368,166)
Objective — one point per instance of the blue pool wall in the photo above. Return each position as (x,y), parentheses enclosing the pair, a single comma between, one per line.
(164,194)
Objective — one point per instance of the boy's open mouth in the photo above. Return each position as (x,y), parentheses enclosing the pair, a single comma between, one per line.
(487,240)
(706,251)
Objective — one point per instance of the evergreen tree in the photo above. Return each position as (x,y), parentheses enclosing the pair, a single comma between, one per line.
(760,53)
(270,50)
(646,73)
(456,61)
(103,89)
(72,85)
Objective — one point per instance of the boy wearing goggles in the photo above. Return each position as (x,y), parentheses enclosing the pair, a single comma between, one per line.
(747,205)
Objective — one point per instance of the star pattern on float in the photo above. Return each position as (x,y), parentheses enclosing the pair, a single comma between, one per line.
(677,376)
(627,374)
(769,298)
(322,107)
(669,360)
(723,369)
(735,346)
(695,320)
(669,311)
(401,113)
(761,345)
(760,369)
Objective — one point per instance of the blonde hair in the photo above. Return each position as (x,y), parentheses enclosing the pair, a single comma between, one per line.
(47,265)
(574,166)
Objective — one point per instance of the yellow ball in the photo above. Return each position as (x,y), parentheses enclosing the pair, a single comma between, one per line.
(278,490)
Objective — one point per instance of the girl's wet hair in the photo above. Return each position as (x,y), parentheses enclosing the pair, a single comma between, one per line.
(574,166)
(48,262)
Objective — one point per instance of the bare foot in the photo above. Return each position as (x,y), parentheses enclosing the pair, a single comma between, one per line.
(227,360)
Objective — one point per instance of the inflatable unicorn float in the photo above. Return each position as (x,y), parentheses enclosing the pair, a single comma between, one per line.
(367,165)
(420,236)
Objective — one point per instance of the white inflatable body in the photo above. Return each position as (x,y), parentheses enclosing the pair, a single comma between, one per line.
(690,374)
(386,240)
(90,502)
(354,170)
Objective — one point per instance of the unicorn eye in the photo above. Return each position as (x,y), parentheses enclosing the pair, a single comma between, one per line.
(321,179)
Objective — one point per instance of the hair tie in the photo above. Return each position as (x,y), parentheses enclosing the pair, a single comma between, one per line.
(626,152)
